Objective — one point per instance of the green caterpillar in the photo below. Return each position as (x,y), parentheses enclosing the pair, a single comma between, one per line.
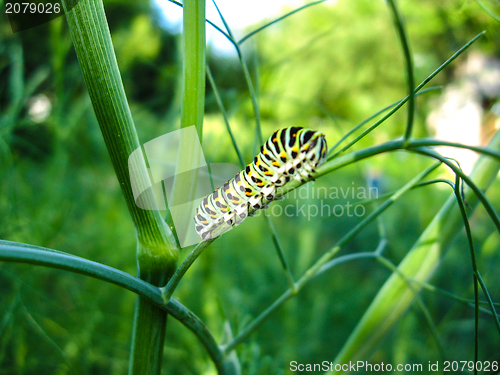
(290,153)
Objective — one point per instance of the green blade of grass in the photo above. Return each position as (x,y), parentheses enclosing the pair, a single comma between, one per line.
(178,3)
(252,33)
(222,108)
(487,10)
(398,21)
(465,219)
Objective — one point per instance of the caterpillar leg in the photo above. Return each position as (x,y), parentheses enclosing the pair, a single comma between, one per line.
(255,201)
(241,213)
(299,178)
(276,177)
(207,233)
(229,218)
(269,192)
(242,210)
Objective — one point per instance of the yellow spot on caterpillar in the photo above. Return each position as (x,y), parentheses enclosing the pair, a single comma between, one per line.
(204,222)
(268,173)
(275,140)
(283,154)
(249,194)
(235,201)
(276,164)
(213,216)
(258,163)
(249,174)
(264,152)
(306,146)
(295,149)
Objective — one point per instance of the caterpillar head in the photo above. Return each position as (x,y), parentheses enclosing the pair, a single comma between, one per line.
(313,147)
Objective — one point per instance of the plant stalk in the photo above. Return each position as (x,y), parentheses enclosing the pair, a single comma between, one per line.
(157,251)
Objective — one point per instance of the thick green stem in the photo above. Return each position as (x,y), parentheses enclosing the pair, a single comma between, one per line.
(156,248)
(194,45)
(148,337)
(190,156)
(93,46)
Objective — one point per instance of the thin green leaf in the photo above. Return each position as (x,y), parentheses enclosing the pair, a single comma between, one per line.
(402,102)
(398,21)
(461,206)
(479,193)
(252,33)
(362,123)
(220,103)
(487,10)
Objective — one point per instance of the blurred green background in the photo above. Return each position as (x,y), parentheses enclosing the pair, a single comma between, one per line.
(327,67)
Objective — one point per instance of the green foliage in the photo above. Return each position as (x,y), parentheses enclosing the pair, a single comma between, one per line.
(327,67)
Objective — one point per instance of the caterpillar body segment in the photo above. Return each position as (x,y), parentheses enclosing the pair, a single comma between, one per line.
(290,153)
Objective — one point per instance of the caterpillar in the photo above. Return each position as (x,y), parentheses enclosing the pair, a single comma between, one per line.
(290,153)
